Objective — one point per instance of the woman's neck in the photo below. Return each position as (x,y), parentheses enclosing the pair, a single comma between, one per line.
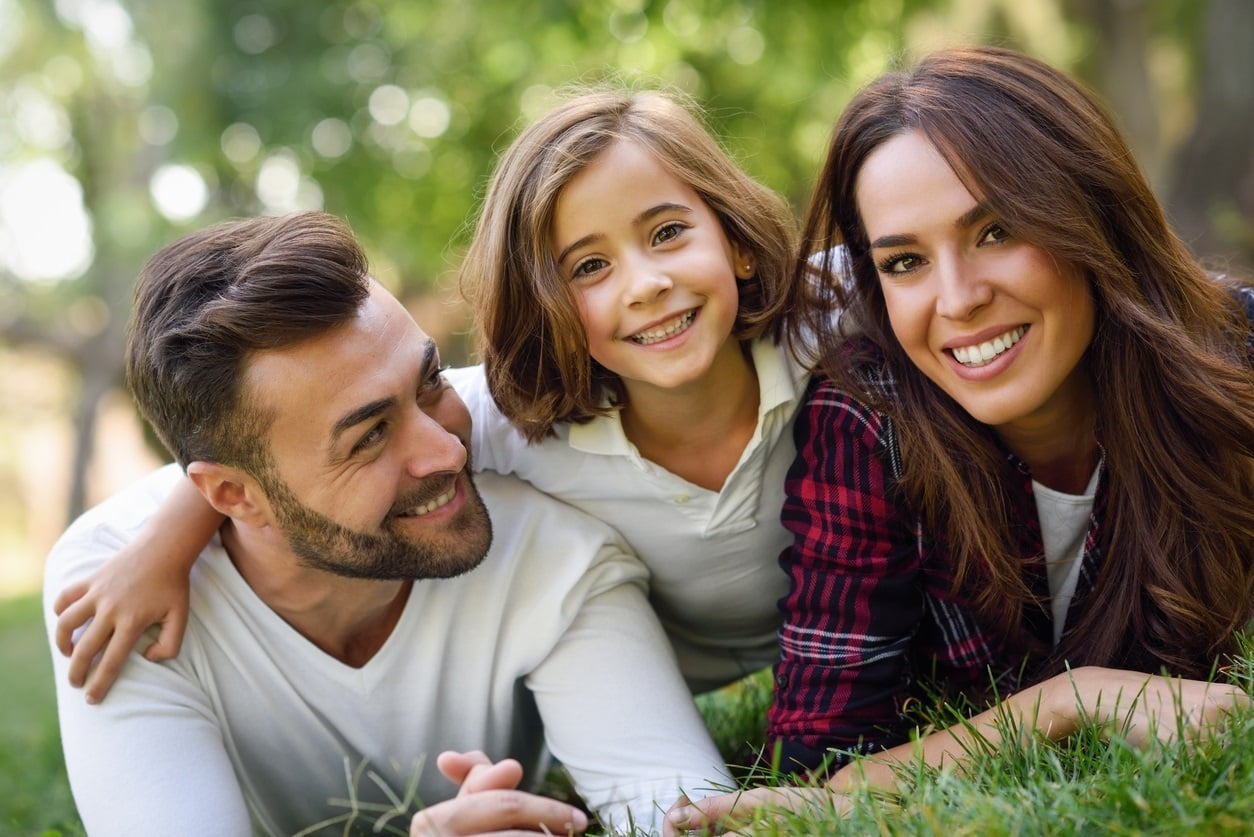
(697,431)
(1061,449)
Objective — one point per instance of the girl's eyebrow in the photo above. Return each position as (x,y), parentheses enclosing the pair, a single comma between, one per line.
(649,213)
(965,220)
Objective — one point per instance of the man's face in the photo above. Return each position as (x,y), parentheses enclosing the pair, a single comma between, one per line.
(370,472)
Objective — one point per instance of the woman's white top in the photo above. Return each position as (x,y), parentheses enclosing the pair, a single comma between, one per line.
(1064,524)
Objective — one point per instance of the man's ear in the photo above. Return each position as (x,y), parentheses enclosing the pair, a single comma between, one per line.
(230,491)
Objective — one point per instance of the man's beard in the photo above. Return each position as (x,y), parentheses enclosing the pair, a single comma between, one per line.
(323,544)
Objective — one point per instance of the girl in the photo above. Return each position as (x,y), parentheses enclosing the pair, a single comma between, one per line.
(631,284)
(1039,456)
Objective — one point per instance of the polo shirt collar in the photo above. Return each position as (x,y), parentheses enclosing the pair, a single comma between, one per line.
(781,380)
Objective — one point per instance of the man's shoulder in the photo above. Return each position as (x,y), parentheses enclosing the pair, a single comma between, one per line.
(511,500)
(529,526)
(117,518)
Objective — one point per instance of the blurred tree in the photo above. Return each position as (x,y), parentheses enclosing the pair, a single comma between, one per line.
(390,113)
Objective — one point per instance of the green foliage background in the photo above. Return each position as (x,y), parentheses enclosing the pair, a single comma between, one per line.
(243,91)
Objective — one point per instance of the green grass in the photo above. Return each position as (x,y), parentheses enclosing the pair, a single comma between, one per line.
(1082,786)
(35,799)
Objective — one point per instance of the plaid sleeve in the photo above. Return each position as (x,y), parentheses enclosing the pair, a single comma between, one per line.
(854,602)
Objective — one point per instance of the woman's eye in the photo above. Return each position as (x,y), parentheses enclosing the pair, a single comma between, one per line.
(993,234)
(667,232)
(899,264)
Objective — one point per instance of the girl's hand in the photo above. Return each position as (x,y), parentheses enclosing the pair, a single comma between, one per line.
(145,584)
(137,588)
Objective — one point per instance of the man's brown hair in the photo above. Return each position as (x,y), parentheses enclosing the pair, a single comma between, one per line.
(206,302)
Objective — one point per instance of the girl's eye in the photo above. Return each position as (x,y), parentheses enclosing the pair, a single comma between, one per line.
(668,232)
(587,267)
(901,263)
(994,234)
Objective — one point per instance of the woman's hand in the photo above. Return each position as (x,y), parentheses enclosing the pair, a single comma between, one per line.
(724,813)
(1138,707)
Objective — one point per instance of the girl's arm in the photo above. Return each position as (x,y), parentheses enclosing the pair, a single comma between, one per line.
(145,584)
(1136,706)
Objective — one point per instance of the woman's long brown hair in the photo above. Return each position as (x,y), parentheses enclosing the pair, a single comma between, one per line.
(1169,361)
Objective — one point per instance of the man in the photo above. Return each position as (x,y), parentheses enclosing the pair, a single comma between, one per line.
(361,611)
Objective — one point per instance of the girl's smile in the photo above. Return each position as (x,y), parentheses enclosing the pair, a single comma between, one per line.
(653,272)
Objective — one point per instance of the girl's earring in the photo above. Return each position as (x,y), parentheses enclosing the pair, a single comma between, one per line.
(746,271)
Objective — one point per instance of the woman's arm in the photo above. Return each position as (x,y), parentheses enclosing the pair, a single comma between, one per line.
(854,601)
(145,584)
(1135,706)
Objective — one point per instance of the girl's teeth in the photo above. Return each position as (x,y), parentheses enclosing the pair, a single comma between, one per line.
(644,338)
(978,355)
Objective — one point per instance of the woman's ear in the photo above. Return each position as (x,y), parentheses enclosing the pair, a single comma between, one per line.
(230,491)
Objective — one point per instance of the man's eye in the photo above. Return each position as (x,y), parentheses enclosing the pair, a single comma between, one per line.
(373,437)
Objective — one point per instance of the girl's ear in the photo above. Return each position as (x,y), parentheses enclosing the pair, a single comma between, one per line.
(231,492)
(743,261)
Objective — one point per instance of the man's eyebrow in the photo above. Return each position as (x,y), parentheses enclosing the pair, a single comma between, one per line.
(363,413)
(374,408)
(964,220)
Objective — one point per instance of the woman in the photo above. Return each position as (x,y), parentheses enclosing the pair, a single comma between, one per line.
(1033,473)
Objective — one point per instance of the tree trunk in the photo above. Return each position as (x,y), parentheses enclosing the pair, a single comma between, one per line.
(1211,198)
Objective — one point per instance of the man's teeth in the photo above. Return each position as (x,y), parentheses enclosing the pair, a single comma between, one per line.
(676,325)
(427,508)
(979,355)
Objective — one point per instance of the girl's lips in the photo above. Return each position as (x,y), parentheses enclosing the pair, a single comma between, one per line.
(663,329)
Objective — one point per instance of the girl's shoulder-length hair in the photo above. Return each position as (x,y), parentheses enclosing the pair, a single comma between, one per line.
(530,335)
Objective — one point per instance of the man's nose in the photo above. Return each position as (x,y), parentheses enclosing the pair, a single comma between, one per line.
(431,448)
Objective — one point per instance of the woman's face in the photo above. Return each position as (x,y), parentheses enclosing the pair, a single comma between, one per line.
(995,322)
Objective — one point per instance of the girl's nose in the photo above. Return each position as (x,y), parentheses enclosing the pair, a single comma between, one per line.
(645,284)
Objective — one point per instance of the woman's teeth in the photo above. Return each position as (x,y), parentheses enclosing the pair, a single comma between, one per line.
(981,354)
(427,508)
(644,338)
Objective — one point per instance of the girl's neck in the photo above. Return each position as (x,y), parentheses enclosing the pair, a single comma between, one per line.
(698,431)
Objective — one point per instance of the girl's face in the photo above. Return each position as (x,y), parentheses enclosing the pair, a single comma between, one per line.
(995,322)
(653,272)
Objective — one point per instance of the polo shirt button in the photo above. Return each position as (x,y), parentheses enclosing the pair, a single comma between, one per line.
(681,498)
